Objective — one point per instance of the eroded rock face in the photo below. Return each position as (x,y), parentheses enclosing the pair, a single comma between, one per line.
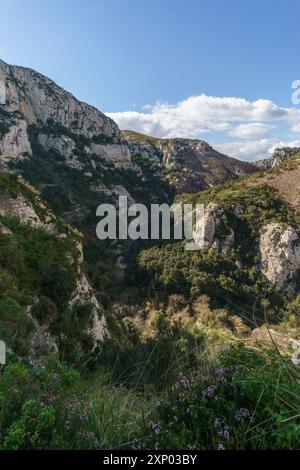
(85,292)
(28,207)
(212,231)
(22,209)
(14,144)
(279,248)
(39,99)
(61,122)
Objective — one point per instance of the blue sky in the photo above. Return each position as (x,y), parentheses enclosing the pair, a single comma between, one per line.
(126,56)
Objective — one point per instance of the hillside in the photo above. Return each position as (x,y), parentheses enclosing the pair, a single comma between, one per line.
(140,345)
(46,302)
(187,165)
(278,156)
(250,260)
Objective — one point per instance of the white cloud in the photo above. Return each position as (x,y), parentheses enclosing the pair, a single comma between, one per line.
(253,150)
(249,150)
(197,116)
(255,130)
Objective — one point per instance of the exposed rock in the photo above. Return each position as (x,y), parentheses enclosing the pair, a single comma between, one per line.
(119,155)
(278,156)
(61,121)
(5,231)
(14,144)
(190,165)
(212,230)
(39,99)
(85,292)
(269,335)
(19,207)
(279,247)
(63,145)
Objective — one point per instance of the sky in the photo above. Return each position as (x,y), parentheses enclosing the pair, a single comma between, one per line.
(217,70)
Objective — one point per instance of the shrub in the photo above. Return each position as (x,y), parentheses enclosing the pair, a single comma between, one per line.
(251,402)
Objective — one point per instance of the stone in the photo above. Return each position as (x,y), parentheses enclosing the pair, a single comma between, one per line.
(279,248)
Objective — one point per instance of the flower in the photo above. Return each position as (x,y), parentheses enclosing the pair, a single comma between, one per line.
(209,391)
(242,413)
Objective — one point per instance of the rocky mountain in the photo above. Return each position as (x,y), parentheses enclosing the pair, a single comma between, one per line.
(187,165)
(53,139)
(249,261)
(278,156)
(77,158)
(62,123)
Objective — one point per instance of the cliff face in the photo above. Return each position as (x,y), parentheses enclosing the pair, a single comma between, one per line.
(32,99)
(188,165)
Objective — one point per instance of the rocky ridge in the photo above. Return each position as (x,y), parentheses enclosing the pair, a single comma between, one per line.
(188,165)
(278,156)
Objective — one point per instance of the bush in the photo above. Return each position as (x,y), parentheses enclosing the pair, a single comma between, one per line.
(251,402)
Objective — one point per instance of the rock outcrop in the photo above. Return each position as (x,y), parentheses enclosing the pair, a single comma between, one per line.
(278,156)
(279,248)
(14,142)
(212,230)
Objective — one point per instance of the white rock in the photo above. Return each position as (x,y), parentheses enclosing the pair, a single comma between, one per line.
(14,145)
(279,247)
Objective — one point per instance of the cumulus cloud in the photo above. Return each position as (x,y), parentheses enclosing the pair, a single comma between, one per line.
(254,130)
(197,116)
(253,150)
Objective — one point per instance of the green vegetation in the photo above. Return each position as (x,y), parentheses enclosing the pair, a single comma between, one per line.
(38,275)
(251,402)
(175,372)
(244,398)
(171,269)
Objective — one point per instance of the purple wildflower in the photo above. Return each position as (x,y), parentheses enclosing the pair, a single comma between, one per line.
(242,413)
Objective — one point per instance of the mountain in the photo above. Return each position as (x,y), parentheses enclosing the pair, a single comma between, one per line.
(249,263)
(54,139)
(108,343)
(278,156)
(187,165)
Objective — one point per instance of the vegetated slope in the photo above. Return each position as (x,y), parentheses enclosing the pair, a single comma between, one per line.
(46,303)
(250,260)
(285,179)
(241,399)
(188,165)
